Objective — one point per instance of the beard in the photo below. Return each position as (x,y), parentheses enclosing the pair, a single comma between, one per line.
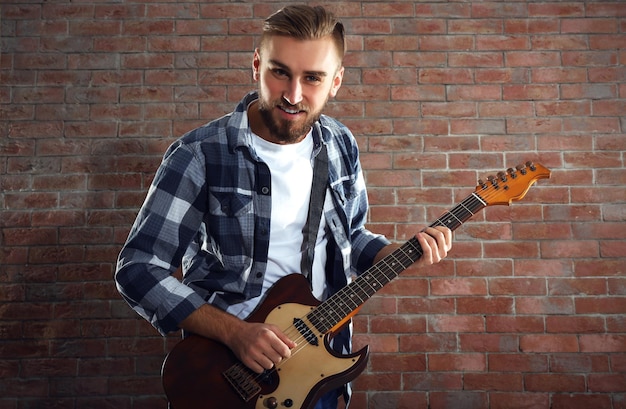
(286,131)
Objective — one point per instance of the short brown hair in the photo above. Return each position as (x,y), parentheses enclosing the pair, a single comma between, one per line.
(305,23)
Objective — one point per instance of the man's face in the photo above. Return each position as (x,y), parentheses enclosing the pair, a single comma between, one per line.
(296,78)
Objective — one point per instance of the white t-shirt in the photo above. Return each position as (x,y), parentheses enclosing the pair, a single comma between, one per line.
(291,171)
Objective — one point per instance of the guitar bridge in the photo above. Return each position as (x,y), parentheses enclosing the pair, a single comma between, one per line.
(242,380)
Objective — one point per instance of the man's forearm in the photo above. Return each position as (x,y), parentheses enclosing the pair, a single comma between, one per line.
(211,322)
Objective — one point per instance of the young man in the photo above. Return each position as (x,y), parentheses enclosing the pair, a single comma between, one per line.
(230,202)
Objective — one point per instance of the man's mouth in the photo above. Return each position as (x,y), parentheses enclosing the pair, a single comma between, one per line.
(291,111)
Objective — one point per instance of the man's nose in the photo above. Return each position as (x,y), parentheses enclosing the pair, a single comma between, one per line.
(293,94)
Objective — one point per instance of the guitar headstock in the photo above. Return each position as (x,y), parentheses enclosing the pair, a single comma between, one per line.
(511,185)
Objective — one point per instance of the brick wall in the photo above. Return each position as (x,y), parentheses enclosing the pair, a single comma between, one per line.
(528,310)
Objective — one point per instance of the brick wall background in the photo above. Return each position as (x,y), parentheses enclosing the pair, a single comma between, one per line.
(527,312)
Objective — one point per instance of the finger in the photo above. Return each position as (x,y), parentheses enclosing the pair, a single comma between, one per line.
(443,239)
(447,236)
(427,242)
(282,344)
(253,365)
(287,343)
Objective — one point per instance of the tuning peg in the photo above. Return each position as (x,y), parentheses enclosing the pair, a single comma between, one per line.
(531,166)
(493,181)
(502,176)
(521,168)
(512,172)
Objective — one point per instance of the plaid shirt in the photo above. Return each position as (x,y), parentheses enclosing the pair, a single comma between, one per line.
(208,211)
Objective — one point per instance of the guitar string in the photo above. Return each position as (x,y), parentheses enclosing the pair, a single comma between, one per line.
(480,201)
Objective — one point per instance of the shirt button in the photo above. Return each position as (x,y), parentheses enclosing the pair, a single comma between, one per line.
(259,275)
(265,190)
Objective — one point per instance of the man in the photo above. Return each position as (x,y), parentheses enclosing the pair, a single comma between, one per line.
(231,200)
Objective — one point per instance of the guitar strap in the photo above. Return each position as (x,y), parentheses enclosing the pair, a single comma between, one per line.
(316,206)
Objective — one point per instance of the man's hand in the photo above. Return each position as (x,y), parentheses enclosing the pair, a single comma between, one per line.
(260,346)
(435,243)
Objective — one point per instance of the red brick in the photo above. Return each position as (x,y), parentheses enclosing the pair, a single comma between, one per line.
(465,324)
(494,381)
(419,305)
(530,92)
(441,342)
(457,362)
(498,10)
(599,267)
(474,92)
(576,286)
(489,305)
(512,324)
(488,343)
(521,400)
(553,10)
(397,324)
(580,401)
(601,305)
(397,400)
(433,381)
(606,41)
(382,382)
(544,305)
(487,268)
(390,42)
(442,400)
(402,59)
(554,383)
(459,286)
(548,343)
(577,363)
(533,59)
(588,91)
(516,362)
(389,76)
(446,43)
(398,362)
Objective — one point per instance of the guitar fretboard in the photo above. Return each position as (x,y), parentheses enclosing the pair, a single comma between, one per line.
(343,303)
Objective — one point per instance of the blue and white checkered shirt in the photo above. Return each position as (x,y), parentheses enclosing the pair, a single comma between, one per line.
(208,211)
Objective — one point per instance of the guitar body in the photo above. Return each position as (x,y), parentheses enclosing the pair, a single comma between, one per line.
(202,373)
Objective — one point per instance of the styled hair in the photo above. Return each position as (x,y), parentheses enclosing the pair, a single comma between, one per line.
(305,23)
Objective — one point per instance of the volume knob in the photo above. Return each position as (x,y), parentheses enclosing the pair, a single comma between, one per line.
(271,403)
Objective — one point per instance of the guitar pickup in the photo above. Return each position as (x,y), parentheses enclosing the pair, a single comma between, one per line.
(305,331)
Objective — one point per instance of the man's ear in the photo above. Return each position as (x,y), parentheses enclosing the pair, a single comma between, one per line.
(337,80)
(256,62)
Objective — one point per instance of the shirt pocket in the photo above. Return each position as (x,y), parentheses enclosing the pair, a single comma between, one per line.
(229,204)
(345,189)
(231,223)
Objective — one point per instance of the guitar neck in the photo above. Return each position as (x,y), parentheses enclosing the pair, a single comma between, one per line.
(347,301)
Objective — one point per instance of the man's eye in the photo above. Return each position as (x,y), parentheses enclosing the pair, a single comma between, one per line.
(313,78)
(279,72)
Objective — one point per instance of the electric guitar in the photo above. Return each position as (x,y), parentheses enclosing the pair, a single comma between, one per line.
(200,373)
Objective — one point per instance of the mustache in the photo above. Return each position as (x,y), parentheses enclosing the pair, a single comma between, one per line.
(284,103)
